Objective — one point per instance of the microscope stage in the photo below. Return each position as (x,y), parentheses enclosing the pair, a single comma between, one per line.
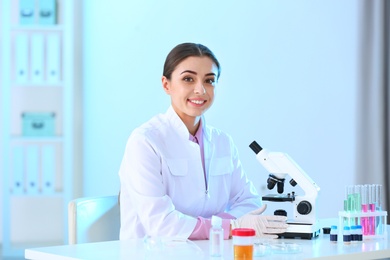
(279,197)
(301,230)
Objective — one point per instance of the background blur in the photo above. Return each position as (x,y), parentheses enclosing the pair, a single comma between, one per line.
(290,81)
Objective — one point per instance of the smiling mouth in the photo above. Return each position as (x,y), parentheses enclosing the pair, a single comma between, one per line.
(198,102)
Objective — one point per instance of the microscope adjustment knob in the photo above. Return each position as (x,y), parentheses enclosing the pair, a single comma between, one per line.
(293,182)
(280,212)
(304,207)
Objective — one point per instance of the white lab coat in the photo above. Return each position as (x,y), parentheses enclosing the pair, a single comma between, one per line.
(163,187)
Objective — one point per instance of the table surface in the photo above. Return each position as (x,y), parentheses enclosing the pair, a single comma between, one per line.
(318,248)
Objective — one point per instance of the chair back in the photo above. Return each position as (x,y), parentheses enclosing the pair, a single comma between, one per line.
(93,219)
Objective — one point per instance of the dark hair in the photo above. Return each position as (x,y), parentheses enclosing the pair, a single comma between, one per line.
(185,50)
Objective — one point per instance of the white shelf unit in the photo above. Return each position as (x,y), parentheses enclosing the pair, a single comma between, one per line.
(40,171)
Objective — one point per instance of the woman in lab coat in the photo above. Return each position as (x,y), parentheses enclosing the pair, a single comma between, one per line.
(177,171)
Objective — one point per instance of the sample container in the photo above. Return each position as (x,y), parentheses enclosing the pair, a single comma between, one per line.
(333,234)
(347,235)
(243,240)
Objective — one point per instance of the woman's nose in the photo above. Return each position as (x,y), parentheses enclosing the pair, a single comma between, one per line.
(199,89)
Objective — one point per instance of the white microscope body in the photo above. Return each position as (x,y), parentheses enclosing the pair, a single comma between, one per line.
(303,222)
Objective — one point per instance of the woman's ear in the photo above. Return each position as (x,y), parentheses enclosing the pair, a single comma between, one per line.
(166,84)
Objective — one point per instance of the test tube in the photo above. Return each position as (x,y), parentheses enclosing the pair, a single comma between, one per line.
(378,204)
(348,203)
(345,219)
(351,198)
(372,206)
(378,197)
(358,202)
(364,220)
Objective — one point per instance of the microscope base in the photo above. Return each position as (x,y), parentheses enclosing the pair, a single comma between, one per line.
(301,230)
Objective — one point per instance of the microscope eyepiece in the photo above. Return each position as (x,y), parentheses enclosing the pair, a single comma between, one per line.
(255,147)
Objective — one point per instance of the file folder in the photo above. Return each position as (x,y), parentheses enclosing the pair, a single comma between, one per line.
(21,58)
(48,168)
(37,58)
(53,63)
(17,170)
(32,169)
(27,12)
(47,12)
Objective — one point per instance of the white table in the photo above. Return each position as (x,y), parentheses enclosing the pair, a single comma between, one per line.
(317,248)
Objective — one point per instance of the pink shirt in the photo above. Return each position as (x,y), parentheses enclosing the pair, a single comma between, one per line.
(202,228)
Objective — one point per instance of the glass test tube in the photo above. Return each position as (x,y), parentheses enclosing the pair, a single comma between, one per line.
(364,220)
(378,206)
(372,206)
(350,198)
(378,196)
(358,202)
(347,204)
(345,219)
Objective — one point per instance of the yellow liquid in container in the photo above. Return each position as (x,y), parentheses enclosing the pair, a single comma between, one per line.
(243,252)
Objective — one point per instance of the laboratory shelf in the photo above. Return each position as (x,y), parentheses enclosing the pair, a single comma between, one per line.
(33,28)
(39,156)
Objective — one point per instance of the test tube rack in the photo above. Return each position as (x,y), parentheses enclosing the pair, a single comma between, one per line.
(373,223)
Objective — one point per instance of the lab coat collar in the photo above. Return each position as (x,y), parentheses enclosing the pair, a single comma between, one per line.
(181,128)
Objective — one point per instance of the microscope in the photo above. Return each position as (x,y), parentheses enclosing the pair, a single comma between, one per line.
(303,223)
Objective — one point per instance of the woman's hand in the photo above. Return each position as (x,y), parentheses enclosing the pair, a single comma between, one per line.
(265,225)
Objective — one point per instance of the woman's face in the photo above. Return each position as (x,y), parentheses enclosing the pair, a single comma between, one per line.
(191,86)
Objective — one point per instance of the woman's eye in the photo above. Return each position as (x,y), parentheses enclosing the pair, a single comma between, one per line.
(188,79)
(210,81)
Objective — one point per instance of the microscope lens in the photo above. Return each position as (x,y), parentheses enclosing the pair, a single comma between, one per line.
(280,187)
(271,183)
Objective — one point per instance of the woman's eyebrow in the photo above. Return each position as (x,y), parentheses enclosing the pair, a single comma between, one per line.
(189,71)
(193,72)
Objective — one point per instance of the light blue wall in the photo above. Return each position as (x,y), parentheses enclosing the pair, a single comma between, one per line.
(289,81)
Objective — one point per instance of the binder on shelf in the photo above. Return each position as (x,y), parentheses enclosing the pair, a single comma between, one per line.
(17,170)
(47,14)
(48,168)
(21,58)
(53,64)
(37,58)
(32,169)
(27,12)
